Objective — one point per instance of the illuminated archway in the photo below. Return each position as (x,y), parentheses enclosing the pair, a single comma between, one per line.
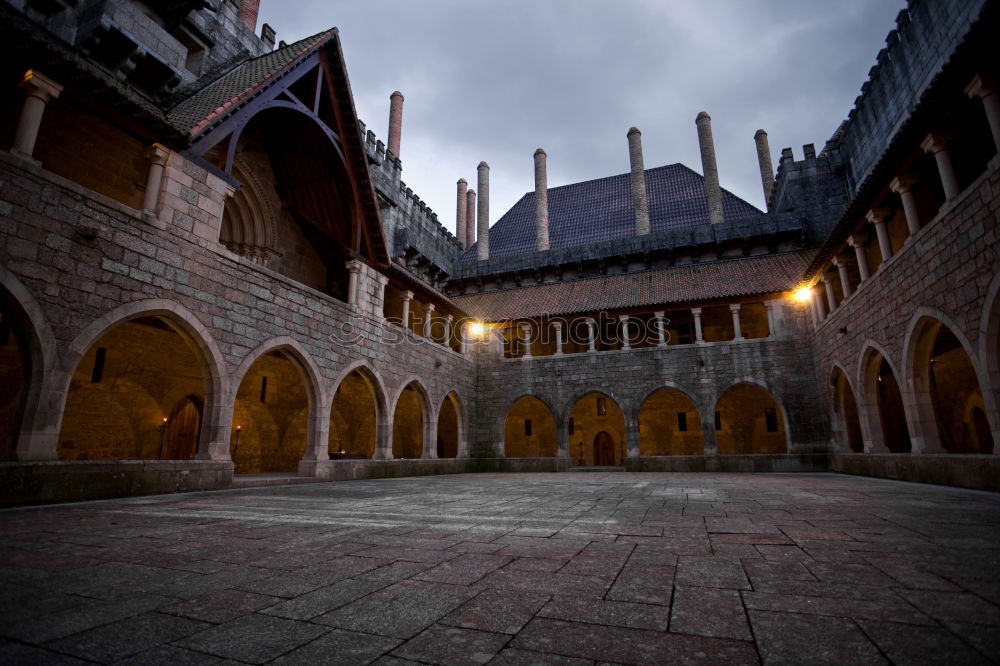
(15,377)
(882,405)
(749,420)
(449,428)
(355,415)
(669,425)
(529,429)
(592,414)
(409,422)
(126,389)
(845,407)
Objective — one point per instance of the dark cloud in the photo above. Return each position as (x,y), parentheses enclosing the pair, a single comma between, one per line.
(495,79)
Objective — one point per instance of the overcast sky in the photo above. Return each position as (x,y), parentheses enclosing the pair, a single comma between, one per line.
(495,79)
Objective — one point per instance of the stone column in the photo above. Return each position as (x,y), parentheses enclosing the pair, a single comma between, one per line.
(428,318)
(354,266)
(470,218)
(937,144)
(407,297)
(737,331)
(713,192)
(814,305)
(845,277)
(526,339)
(820,304)
(831,297)
(541,202)
(640,203)
(460,212)
(157,156)
(557,327)
(660,333)
(903,186)
(483,249)
(448,319)
(769,306)
(626,345)
(987,90)
(879,217)
(698,338)
(764,161)
(591,337)
(857,241)
(463,339)
(383,282)
(39,90)
(395,121)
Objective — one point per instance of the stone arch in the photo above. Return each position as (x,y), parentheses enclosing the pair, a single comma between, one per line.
(452,439)
(882,406)
(370,378)
(989,354)
(746,424)
(662,429)
(30,433)
(414,425)
(194,336)
(543,440)
(845,413)
(588,421)
(300,421)
(250,217)
(942,376)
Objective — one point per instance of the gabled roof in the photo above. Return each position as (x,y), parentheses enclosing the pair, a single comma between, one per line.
(600,210)
(194,114)
(692,283)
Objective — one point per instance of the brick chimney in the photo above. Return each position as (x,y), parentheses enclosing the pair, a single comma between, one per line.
(713,193)
(395,121)
(248,13)
(541,202)
(764,160)
(460,215)
(483,215)
(470,218)
(639,201)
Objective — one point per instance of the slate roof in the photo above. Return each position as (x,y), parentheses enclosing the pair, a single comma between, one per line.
(734,278)
(195,114)
(600,210)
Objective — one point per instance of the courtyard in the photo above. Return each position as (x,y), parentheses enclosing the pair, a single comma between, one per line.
(572,568)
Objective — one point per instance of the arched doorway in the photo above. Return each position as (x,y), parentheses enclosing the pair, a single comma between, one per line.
(529,429)
(408,422)
(884,406)
(948,397)
(669,425)
(592,414)
(127,390)
(354,417)
(749,420)
(270,416)
(15,369)
(604,450)
(448,427)
(846,411)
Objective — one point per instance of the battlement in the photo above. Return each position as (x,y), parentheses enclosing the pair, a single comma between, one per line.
(926,35)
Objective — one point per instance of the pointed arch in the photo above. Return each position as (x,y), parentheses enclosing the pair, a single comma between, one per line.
(528,428)
(452,432)
(670,423)
(349,389)
(414,422)
(743,422)
(593,412)
(881,406)
(989,354)
(848,435)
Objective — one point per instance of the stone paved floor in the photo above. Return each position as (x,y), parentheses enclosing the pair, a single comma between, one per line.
(511,569)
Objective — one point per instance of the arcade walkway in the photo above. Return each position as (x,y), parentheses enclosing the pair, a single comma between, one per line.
(511,569)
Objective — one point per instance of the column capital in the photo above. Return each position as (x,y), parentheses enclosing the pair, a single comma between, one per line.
(407,295)
(41,86)
(696,312)
(623,317)
(857,240)
(158,154)
(904,183)
(660,314)
(354,266)
(935,142)
(982,85)
(557,325)
(879,215)
(734,307)
(841,261)
(429,307)
(449,318)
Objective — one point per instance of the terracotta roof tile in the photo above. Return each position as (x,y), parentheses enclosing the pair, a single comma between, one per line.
(691,283)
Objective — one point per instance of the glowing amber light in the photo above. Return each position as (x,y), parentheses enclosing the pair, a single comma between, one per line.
(478,329)
(803,295)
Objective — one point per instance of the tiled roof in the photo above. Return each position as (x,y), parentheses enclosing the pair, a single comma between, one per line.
(197,112)
(599,210)
(732,278)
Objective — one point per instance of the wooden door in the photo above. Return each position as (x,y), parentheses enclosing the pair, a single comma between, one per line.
(181,439)
(604,450)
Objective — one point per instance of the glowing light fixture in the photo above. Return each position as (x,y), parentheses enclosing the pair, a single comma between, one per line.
(803,295)
(478,328)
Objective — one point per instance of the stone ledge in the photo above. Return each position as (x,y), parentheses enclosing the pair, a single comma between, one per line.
(778,462)
(979,472)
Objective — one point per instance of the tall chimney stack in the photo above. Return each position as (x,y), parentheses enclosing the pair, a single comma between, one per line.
(639,201)
(460,216)
(541,202)
(764,160)
(483,215)
(713,193)
(395,121)
(470,218)
(249,9)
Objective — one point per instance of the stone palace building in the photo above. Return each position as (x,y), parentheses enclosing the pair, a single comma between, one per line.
(210,271)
